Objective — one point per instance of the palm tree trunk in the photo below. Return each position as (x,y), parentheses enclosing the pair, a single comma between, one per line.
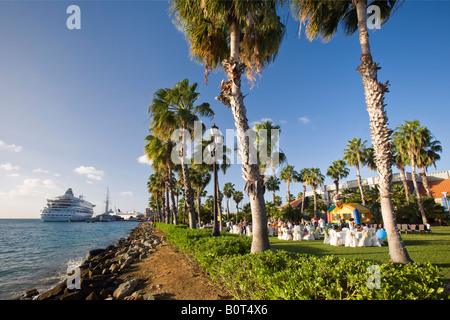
(199,199)
(416,188)
(288,193)
(188,196)
(172,198)
(336,184)
(423,175)
(219,207)
(361,190)
(232,97)
(374,93)
(304,197)
(166,218)
(315,201)
(405,183)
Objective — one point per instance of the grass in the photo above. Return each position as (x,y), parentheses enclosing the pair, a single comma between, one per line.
(434,248)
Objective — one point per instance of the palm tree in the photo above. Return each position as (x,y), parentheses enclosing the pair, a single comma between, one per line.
(287,174)
(267,139)
(322,19)
(355,155)
(301,177)
(238,196)
(155,186)
(159,152)
(228,191)
(314,178)
(273,185)
(338,170)
(173,109)
(416,141)
(428,157)
(237,35)
(200,178)
(401,159)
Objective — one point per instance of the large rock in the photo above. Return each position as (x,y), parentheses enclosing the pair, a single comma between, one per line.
(125,289)
(94,253)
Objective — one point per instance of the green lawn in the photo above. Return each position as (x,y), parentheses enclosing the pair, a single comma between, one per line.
(434,247)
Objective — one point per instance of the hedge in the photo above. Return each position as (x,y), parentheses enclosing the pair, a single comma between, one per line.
(293,276)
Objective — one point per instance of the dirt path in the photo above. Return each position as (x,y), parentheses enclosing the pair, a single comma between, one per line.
(170,275)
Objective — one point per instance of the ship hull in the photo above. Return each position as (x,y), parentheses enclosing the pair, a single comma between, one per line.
(64,217)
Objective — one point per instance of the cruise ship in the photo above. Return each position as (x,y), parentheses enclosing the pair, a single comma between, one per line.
(67,208)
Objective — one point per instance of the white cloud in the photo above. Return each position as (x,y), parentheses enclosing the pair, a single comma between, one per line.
(90,172)
(12,147)
(304,120)
(39,170)
(14,175)
(31,187)
(144,160)
(57,175)
(126,193)
(8,167)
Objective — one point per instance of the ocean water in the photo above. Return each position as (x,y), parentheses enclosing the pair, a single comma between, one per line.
(36,254)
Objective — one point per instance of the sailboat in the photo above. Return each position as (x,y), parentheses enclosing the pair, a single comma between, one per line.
(105,217)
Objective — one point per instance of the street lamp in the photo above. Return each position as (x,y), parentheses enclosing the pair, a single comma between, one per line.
(217,141)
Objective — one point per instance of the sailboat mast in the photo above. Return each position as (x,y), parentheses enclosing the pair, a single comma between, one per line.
(107,201)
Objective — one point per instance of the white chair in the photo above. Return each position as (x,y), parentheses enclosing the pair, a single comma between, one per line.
(365,240)
(327,237)
(373,239)
(280,234)
(310,236)
(350,238)
(334,241)
(249,231)
(297,235)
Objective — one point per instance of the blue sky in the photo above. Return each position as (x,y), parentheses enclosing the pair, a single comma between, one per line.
(73,103)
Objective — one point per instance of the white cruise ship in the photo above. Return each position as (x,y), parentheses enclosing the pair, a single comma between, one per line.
(67,208)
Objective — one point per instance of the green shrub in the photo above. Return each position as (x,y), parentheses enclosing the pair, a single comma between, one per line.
(292,276)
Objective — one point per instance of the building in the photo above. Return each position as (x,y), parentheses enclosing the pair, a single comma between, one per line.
(439,184)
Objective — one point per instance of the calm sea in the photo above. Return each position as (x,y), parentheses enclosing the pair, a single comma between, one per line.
(36,254)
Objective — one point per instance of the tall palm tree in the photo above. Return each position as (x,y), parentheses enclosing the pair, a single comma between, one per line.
(301,177)
(200,178)
(273,185)
(314,178)
(355,155)
(287,174)
(159,152)
(228,191)
(238,196)
(239,36)
(428,157)
(401,160)
(267,139)
(338,170)
(173,109)
(322,19)
(415,140)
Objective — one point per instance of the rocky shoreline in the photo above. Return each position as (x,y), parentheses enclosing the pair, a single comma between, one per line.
(100,273)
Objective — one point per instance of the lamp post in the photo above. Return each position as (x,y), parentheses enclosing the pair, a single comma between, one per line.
(216,136)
